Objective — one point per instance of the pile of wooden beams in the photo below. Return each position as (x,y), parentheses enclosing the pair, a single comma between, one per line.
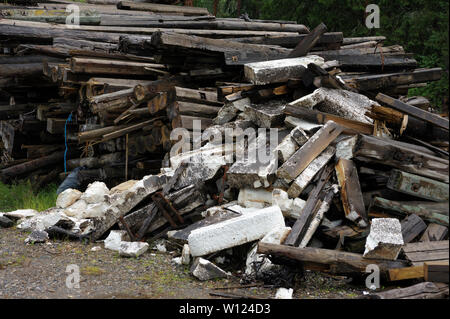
(352,147)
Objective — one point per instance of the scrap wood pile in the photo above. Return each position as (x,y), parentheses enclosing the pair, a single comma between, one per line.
(358,174)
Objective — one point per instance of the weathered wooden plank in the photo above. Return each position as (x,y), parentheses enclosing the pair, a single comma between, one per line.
(434,232)
(235,53)
(195,109)
(105,66)
(199,96)
(309,151)
(314,116)
(436,272)
(308,42)
(290,41)
(55,125)
(302,223)
(434,213)
(421,252)
(413,111)
(337,262)
(161,8)
(397,155)
(305,177)
(418,186)
(412,227)
(424,290)
(415,272)
(351,195)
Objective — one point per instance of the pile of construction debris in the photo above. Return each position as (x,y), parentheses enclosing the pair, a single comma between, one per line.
(349,172)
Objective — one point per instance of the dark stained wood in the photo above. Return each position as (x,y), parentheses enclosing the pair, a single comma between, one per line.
(412,227)
(308,42)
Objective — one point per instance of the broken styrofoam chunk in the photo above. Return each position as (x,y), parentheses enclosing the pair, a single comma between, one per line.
(258,198)
(203,270)
(276,236)
(67,198)
(385,239)
(96,210)
(283,293)
(54,217)
(177,261)
(132,249)
(21,213)
(96,248)
(262,263)
(77,209)
(161,247)
(186,255)
(234,232)
(37,236)
(95,193)
(286,148)
(290,207)
(114,239)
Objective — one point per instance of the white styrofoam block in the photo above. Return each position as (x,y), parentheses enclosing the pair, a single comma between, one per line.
(67,198)
(235,231)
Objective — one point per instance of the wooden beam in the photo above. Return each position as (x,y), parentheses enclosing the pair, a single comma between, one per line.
(436,271)
(424,290)
(314,116)
(309,151)
(333,261)
(415,272)
(413,111)
(302,223)
(306,177)
(434,232)
(412,227)
(434,213)
(422,252)
(351,195)
(162,8)
(418,186)
(401,156)
(308,42)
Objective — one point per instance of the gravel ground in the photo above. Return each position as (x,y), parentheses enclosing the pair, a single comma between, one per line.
(39,271)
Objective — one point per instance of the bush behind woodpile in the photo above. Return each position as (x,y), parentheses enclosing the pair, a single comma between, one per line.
(23,196)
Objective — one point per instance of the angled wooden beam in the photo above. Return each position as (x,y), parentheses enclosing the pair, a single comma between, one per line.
(413,111)
(309,151)
(308,42)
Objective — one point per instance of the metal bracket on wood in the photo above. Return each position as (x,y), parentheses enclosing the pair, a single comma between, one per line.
(170,213)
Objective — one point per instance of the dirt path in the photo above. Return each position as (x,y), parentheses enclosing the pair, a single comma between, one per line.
(39,271)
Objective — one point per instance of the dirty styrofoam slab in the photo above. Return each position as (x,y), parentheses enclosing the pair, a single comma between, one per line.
(235,231)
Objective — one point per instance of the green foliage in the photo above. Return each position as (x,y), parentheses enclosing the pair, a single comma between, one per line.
(22,196)
(420,26)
